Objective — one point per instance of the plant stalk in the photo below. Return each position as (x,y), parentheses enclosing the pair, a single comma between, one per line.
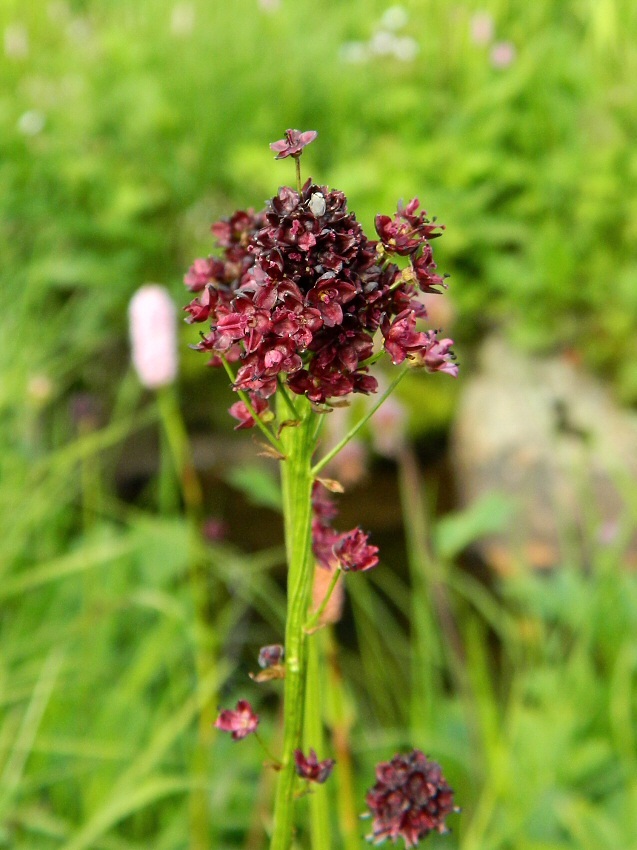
(298,443)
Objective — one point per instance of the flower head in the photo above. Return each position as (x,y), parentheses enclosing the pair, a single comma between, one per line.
(293,143)
(311,768)
(153,336)
(298,294)
(409,800)
(240,721)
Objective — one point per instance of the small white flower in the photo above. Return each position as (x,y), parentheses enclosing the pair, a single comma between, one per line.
(182,19)
(152,318)
(354,52)
(32,122)
(58,10)
(317,204)
(482,28)
(394,18)
(16,41)
(382,43)
(406,48)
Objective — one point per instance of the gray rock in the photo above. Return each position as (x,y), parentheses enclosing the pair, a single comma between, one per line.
(549,437)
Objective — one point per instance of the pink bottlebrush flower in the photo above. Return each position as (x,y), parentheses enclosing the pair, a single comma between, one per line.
(293,143)
(354,553)
(311,768)
(153,336)
(482,28)
(241,721)
(409,800)
(502,54)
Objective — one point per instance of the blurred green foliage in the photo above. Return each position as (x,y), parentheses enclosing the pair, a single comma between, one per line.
(125,129)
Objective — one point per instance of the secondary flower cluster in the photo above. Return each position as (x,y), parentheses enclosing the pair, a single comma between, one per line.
(298,293)
(410,799)
(242,721)
(349,551)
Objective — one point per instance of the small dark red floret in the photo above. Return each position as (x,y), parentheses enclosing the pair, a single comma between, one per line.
(311,768)
(240,721)
(239,410)
(293,143)
(354,553)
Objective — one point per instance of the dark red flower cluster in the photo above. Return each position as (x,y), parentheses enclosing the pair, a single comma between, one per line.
(410,799)
(299,292)
(349,551)
(310,768)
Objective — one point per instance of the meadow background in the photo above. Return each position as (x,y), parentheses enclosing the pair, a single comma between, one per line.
(125,129)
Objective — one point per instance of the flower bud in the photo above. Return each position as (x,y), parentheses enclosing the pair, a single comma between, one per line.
(152,317)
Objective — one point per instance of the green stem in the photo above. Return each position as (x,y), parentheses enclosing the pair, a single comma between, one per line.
(273,759)
(425,649)
(313,737)
(286,398)
(341,720)
(299,185)
(436,637)
(296,481)
(353,431)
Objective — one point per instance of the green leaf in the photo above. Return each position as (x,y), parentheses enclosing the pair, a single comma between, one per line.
(488,515)
(258,484)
